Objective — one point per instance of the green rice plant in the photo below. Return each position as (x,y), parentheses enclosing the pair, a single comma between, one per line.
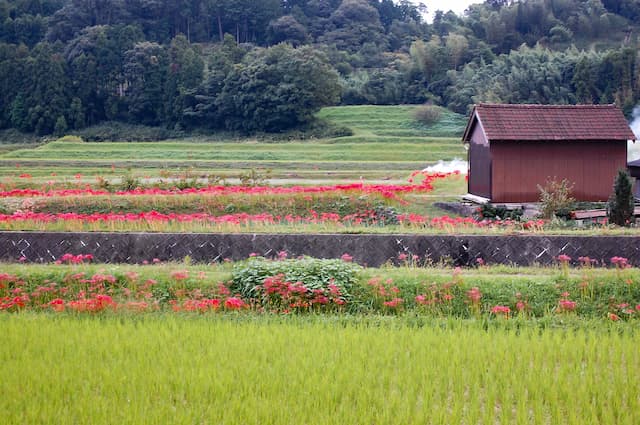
(273,370)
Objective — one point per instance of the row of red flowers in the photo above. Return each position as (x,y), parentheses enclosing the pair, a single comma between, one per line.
(387,190)
(367,217)
(76,291)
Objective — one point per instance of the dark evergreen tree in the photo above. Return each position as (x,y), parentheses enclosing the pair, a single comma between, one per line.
(621,203)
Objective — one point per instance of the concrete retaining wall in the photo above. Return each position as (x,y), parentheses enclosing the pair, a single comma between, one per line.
(371,250)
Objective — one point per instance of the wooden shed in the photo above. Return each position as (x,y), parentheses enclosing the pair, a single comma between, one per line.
(515,148)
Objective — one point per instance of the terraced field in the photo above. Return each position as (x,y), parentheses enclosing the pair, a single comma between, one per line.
(387,144)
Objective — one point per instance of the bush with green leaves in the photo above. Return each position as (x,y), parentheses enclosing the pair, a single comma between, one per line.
(556,199)
(314,273)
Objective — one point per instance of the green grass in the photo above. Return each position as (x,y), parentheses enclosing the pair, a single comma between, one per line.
(241,370)
(373,120)
(254,151)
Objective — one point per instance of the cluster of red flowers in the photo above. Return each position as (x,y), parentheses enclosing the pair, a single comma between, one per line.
(565,304)
(282,296)
(13,297)
(501,310)
(620,262)
(387,190)
(208,304)
(74,259)
(438,296)
(386,292)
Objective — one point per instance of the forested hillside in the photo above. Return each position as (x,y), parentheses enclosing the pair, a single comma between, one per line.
(269,65)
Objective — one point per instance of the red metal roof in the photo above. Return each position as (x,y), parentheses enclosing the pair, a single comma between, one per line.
(549,122)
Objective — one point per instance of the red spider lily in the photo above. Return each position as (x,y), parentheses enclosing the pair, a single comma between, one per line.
(423,300)
(223,290)
(394,303)
(234,303)
(567,305)
(74,259)
(474,295)
(586,261)
(242,219)
(281,295)
(613,317)
(201,305)
(57,304)
(620,262)
(99,278)
(179,275)
(346,258)
(6,278)
(501,310)
(96,304)
(131,276)
(137,306)
(13,303)
(563,258)
(386,190)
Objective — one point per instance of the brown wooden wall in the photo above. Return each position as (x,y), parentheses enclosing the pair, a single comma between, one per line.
(479,164)
(480,169)
(519,167)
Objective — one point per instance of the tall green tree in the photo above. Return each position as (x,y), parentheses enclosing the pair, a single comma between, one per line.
(278,88)
(145,71)
(44,95)
(354,23)
(184,76)
(96,67)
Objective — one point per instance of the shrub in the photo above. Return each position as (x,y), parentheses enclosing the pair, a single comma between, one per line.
(621,204)
(499,212)
(555,199)
(427,114)
(314,273)
(113,131)
(70,139)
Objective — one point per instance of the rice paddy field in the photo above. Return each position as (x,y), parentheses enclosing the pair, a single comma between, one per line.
(319,370)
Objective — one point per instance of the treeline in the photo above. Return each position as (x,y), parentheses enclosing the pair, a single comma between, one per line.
(268,65)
